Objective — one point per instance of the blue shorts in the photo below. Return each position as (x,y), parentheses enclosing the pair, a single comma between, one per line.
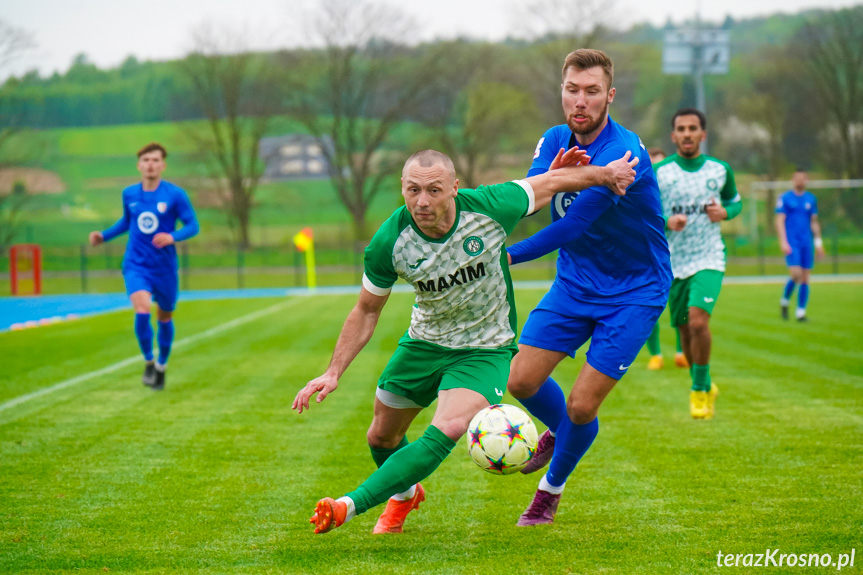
(617,332)
(801,255)
(165,288)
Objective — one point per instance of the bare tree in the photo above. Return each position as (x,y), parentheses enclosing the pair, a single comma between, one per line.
(489,110)
(558,27)
(354,91)
(13,43)
(236,92)
(832,45)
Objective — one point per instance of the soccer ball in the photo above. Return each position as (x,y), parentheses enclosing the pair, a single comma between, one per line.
(501,439)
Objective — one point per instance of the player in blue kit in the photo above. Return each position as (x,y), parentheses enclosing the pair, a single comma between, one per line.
(612,283)
(799,231)
(150,213)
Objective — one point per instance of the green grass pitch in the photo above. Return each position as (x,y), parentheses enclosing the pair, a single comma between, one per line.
(217,475)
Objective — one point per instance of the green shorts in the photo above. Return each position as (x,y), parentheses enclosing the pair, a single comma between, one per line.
(418,370)
(699,290)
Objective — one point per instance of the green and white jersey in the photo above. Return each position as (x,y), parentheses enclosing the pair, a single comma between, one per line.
(688,186)
(464,297)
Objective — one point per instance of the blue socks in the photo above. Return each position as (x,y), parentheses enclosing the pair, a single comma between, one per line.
(144,333)
(789,289)
(571,443)
(548,404)
(803,296)
(165,337)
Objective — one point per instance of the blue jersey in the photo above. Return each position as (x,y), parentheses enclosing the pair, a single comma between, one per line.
(798,210)
(146,214)
(621,256)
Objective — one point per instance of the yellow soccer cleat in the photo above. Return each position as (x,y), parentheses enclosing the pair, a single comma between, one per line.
(329,514)
(655,362)
(711,400)
(699,405)
(680,360)
(393,518)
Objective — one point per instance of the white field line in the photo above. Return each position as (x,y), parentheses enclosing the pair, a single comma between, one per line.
(137,358)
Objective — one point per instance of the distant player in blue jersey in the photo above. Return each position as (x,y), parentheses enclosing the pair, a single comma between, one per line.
(799,231)
(150,213)
(613,278)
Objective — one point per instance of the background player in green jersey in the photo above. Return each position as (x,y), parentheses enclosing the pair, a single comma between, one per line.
(697,192)
(449,244)
(656,361)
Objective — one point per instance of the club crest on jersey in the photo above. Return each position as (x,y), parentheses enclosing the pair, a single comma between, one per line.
(712,185)
(473,246)
(562,202)
(148,222)
(162,207)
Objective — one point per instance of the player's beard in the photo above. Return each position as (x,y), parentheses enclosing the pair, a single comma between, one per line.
(591,125)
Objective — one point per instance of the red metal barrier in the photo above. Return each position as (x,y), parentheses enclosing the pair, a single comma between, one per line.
(25,269)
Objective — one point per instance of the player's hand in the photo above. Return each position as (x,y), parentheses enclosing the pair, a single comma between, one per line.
(715,211)
(162,239)
(621,173)
(574,156)
(819,252)
(677,222)
(786,248)
(96,238)
(323,386)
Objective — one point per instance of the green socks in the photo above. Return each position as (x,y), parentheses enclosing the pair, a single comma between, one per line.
(381,454)
(653,341)
(679,347)
(402,468)
(700,377)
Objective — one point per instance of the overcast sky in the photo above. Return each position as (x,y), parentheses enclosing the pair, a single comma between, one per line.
(108,31)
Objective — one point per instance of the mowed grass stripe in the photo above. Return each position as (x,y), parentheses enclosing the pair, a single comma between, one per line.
(216,475)
(176,439)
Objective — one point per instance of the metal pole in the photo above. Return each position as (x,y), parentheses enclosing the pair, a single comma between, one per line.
(240,261)
(83,268)
(184,252)
(698,71)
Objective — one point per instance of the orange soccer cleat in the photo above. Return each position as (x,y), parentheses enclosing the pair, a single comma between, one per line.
(329,514)
(680,360)
(392,520)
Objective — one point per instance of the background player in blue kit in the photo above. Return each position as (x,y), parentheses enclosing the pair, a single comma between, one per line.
(799,231)
(612,283)
(150,213)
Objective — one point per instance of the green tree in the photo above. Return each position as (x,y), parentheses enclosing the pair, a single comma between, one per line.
(832,47)
(13,43)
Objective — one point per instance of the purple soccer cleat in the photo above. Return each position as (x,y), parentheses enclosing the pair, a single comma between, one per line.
(541,510)
(544,451)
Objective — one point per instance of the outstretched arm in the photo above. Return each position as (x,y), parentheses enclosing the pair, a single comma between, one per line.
(120,227)
(572,176)
(356,333)
(585,210)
